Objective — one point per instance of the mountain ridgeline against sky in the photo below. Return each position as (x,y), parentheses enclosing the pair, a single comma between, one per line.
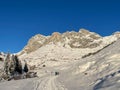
(82,39)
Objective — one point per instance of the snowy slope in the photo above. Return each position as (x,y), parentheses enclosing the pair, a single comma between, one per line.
(96,72)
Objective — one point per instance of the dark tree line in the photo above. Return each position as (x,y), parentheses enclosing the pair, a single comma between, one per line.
(13,66)
(15,69)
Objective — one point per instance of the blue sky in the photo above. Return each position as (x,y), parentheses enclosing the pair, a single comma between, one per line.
(21,19)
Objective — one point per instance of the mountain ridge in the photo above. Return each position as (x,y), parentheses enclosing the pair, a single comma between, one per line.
(81,39)
(60,48)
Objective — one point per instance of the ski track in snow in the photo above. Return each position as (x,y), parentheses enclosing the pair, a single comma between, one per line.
(48,83)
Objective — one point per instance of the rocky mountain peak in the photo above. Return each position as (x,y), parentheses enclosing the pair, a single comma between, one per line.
(82,39)
(34,43)
(117,34)
(88,33)
(84,31)
(56,36)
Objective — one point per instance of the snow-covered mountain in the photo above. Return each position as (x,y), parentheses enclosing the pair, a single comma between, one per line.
(60,48)
(81,39)
(80,60)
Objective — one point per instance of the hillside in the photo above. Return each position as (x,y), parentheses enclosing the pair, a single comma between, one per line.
(59,48)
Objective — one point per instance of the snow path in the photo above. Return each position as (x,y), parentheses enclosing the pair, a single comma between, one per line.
(48,83)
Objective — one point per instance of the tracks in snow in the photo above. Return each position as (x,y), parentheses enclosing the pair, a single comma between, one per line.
(48,83)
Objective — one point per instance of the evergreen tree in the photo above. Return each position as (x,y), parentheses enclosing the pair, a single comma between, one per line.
(25,67)
(18,65)
(6,64)
(12,65)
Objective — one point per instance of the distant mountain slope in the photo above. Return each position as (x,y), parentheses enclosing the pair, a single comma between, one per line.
(61,48)
(96,72)
(81,39)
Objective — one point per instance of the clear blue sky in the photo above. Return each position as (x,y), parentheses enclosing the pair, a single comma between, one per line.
(21,19)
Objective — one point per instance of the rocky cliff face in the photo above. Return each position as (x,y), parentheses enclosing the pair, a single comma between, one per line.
(34,43)
(81,39)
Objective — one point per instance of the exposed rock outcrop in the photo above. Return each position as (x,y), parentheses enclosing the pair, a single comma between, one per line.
(81,39)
